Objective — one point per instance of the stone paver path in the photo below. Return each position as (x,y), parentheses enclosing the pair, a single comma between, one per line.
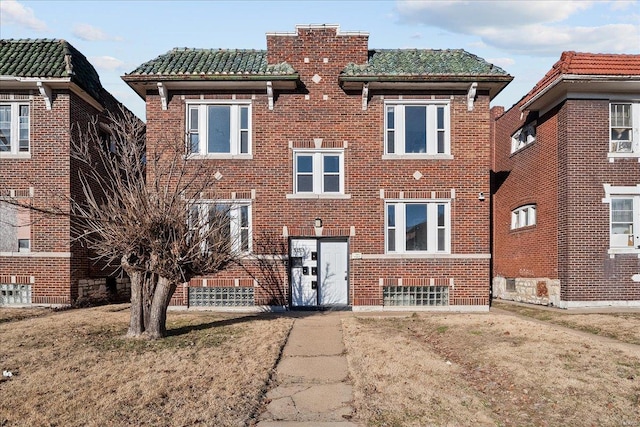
(312,376)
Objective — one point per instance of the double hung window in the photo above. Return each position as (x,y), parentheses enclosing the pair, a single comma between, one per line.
(625,222)
(524,216)
(624,123)
(233,220)
(417,128)
(418,227)
(14,129)
(319,172)
(219,129)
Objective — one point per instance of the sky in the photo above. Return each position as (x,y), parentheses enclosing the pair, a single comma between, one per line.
(525,38)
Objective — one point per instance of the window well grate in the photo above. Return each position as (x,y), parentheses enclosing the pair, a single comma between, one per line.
(221,297)
(14,294)
(415,295)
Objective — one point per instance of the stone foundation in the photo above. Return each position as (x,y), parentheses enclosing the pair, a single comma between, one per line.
(104,289)
(538,290)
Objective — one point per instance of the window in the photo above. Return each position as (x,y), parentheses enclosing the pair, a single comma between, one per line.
(524,136)
(15,228)
(625,218)
(624,128)
(217,129)
(524,216)
(14,129)
(234,218)
(417,128)
(418,227)
(319,172)
(415,295)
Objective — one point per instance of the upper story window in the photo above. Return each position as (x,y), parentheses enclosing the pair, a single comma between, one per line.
(624,122)
(14,129)
(234,219)
(414,128)
(524,216)
(418,227)
(221,130)
(318,172)
(524,136)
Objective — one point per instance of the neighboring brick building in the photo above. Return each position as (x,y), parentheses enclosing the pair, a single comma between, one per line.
(46,87)
(371,166)
(566,202)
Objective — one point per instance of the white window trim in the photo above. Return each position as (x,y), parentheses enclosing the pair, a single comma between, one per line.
(234,212)
(15,131)
(432,224)
(318,174)
(432,140)
(624,192)
(531,216)
(635,132)
(235,125)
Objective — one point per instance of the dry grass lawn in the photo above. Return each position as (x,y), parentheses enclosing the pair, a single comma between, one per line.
(74,368)
(494,369)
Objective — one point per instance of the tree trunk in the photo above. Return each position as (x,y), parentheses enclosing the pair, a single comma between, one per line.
(136,321)
(150,282)
(157,327)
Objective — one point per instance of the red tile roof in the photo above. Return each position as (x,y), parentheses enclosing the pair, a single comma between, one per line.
(591,64)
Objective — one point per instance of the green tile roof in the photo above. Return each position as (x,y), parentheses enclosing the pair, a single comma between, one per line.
(49,58)
(212,63)
(422,62)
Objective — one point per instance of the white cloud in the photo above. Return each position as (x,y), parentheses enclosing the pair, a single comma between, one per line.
(106,63)
(90,33)
(12,12)
(539,28)
(501,62)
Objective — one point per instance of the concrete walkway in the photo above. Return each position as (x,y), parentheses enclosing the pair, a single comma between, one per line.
(312,376)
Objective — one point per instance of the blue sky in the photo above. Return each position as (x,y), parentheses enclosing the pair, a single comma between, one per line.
(523,37)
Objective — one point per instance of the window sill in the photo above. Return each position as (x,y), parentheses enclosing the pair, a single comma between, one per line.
(520,229)
(417,157)
(624,251)
(613,156)
(219,157)
(15,156)
(36,254)
(521,149)
(318,196)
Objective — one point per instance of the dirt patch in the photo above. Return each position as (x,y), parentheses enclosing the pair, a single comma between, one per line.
(487,370)
(620,325)
(14,314)
(74,368)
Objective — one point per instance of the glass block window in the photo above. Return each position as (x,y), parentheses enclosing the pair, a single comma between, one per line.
(221,297)
(415,295)
(15,294)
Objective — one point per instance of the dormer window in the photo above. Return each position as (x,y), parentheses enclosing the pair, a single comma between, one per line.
(524,136)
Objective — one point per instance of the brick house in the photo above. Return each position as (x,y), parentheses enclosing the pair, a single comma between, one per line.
(370,166)
(566,202)
(46,87)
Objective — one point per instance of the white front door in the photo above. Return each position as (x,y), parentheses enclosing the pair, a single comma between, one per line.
(304,280)
(334,273)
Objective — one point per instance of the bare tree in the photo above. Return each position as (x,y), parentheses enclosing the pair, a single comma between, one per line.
(137,209)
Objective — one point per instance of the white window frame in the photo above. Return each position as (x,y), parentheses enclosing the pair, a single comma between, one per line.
(625,147)
(236,226)
(398,229)
(630,243)
(523,137)
(200,107)
(318,172)
(398,129)
(524,216)
(14,143)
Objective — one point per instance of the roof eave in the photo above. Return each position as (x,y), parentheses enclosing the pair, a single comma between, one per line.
(494,84)
(561,85)
(31,83)
(141,83)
